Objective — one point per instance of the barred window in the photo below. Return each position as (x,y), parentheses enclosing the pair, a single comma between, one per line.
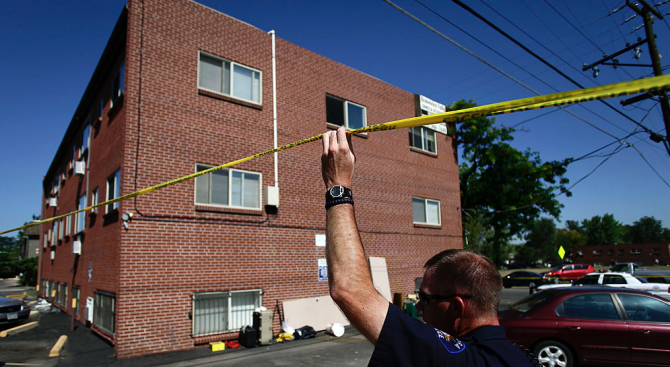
(104,311)
(219,312)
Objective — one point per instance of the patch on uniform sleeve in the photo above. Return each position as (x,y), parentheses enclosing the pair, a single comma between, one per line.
(451,344)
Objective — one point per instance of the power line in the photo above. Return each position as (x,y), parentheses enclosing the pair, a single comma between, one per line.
(580,32)
(488,64)
(473,12)
(650,166)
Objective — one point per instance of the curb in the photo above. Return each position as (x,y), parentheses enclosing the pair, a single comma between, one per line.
(55,351)
(18,329)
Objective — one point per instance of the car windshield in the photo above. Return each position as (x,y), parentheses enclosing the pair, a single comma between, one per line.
(642,280)
(525,304)
(557,267)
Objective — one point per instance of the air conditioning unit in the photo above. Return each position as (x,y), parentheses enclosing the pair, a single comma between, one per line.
(53,202)
(53,255)
(76,247)
(581,253)
(272,196)
(80,168)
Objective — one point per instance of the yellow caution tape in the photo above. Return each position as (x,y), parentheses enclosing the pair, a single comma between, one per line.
(525,104)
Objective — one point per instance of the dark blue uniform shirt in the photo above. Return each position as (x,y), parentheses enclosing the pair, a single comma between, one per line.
(405,341)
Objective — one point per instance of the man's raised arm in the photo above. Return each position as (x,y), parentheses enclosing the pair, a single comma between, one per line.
(348,272)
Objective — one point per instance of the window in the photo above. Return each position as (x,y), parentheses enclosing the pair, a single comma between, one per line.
(344,113)
(101,108)
(636,251)
(118,83)
(657,250)
(104,310)
(641,308)
(61,228)
(85,138)
(422,138)
(94,199)
(67,225)
(598,252)
(228,187)
(54,233)
(113,190)
(621,251)
(219,312)
(229,78)
(62,295)
(591,306)
(614,279)
(56,293)
(80,218)
(426,211)
(611,251)
(75,297)
(74,156)
(588,279)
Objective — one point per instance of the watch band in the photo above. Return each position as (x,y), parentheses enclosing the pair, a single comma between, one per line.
(338,194)
(339,201)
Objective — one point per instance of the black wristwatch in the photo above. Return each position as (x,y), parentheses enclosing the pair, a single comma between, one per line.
(338,194)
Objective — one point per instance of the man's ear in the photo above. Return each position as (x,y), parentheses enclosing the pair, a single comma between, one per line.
(458,307)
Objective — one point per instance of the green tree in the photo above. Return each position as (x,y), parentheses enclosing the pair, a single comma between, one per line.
(505,187)
(603,230)
(570,239)
(646,230)
(541,242)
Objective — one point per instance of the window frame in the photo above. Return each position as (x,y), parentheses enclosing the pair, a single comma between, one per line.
(81,216)
(346,112)
(117,90)
(230,188)
(97,309)
(636,251)
(227,312)
(116,176)
(231,77)
(94,199)
(424,140)
(425,207)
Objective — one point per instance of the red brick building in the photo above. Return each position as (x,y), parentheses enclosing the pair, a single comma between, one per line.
(647,254)
(179,88)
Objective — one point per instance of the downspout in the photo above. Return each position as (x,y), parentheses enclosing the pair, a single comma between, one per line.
(274,114)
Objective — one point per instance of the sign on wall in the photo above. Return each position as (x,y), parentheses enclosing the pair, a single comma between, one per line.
(430,107)
(323,270)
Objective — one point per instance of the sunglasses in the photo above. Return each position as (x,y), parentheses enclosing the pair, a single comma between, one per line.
(423,297)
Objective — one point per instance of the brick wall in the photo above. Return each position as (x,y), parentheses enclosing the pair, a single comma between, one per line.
(173,249)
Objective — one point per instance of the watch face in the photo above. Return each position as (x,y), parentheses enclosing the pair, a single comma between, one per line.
(337,191)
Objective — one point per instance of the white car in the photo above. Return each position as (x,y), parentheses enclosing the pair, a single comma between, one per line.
(613,279)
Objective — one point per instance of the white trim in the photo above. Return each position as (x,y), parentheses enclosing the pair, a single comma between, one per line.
(423,130)
(230,188)
(425,207)
(231,82)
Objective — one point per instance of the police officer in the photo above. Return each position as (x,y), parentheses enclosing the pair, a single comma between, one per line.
(459,294)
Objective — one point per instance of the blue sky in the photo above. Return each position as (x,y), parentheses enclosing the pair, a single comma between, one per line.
(49,51)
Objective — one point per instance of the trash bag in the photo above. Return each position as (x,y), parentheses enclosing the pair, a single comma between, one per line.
(304,332)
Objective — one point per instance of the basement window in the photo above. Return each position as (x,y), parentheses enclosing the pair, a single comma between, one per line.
(220,312)
(104,311)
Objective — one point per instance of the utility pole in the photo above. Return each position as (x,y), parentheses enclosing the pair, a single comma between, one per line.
(646,14)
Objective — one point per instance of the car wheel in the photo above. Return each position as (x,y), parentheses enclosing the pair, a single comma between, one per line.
(532,288)
(551,353)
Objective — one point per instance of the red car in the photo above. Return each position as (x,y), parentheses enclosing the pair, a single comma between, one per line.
(591,325)
(568,271)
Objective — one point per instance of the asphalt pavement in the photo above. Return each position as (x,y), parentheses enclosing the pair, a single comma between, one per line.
(84,348)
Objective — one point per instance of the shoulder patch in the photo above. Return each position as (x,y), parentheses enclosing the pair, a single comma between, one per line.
(451,344)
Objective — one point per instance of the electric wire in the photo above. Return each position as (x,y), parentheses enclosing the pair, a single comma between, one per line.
(473,12)
(487,63)
(580,32)
(650,166)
